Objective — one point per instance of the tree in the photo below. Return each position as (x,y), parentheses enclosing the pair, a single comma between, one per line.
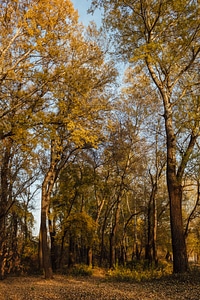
(53,82)
(120,167)
(79,96)
(17,173)
(162,37)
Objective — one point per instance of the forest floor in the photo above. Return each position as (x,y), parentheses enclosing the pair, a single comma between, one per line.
(98,287)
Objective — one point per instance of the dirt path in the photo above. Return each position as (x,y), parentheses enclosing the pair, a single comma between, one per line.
(63,288)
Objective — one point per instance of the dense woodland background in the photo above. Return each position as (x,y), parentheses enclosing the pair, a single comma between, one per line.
(113,155)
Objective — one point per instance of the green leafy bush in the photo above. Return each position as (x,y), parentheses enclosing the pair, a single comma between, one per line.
(79,270)
(139,272)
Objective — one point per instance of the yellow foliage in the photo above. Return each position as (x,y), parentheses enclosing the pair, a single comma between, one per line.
(53,74)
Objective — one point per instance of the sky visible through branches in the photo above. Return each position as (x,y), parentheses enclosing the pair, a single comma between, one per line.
(82,6)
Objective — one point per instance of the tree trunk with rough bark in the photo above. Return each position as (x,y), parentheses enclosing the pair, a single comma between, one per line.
(113,236)
(44,242)
(180,260)
(47,187)
(6,202)
(89,256)
(174,179)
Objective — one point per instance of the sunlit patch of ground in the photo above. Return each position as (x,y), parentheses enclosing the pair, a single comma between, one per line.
(96,287)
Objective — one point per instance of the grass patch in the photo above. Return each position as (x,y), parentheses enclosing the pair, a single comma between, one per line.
(139,272)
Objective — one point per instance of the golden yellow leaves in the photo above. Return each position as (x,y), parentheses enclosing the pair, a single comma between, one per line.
(50,14)
(56,74)
(82,136)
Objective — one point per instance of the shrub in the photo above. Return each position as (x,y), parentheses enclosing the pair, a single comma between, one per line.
(140,273)
(79,270)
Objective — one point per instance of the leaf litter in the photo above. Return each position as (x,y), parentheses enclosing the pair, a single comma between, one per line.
(97,287)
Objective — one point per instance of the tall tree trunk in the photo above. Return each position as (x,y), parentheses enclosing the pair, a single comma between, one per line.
(57,162)
(52,233)
(71,259)
(148,247)
(113,236)
(154,242)
(44,242)
(5,202)
(174,177)
(112,248)
(15,259)
(102,246)
(180,260)
(89,256)
(174,184)
(3,250)
(135,253)
(47,187)
(151,250)
(62,250)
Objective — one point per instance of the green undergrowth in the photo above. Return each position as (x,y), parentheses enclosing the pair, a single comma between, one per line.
(135,272)
(78,270)
(139,272)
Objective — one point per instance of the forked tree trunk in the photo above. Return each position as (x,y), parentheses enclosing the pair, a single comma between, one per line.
(174,179)
(46,261)
(45,252)
(174,184)
(47,187)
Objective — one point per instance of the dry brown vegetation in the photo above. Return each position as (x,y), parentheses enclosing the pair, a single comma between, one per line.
(98,287)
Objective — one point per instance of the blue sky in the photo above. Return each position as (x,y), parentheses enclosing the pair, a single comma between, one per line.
(82,6)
